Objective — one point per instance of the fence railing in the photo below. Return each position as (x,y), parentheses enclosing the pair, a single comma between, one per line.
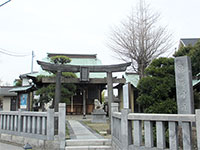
(154,131)
(38,125)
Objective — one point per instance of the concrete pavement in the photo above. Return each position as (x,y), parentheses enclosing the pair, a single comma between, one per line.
(85,138)
(80,131)
(6,146)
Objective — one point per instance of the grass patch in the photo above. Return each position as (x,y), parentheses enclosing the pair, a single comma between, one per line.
(100,128)
(67,136)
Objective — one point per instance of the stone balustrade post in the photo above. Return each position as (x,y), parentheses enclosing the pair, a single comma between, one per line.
(173,136)
(126,129)
(197,112)
(50,124)
(1,122)
(187,135)
(62,125)
(114,108)
(19,121)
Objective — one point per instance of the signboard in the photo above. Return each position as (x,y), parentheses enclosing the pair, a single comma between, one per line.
(84,74)
(23,101)
(125,96)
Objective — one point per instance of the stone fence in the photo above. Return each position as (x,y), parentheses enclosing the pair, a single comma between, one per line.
(142,131)
(35,128)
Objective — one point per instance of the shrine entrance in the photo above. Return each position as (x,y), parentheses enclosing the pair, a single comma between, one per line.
(84,78)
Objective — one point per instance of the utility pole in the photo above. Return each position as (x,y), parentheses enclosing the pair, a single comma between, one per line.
(31,93)
(32,61)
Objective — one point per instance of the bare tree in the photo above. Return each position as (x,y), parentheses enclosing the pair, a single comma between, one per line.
(140,39)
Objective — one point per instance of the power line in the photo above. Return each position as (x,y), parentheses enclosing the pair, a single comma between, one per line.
(5,3)
(6,52)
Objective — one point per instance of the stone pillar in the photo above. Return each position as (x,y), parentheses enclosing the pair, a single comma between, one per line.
(126,129)
(184,94)
(72,105)
(84,104)
(62,124)
(137,132)
(57,90)
(50,124)
(114,108)
(148,136)
(173,136)
(160,135)
(198,127)
(184,89)
(110,91)
(187,135)
(126,96)
(19,121)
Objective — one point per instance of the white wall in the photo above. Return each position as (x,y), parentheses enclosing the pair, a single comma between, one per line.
(25,82)
(6,103)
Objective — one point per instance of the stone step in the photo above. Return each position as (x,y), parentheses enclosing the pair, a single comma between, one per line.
(88,142)
(88,148)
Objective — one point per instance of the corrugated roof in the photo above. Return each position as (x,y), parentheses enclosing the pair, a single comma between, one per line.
(20,89)
(4,91)
(189,41)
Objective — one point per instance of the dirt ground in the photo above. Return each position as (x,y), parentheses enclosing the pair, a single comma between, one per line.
(100,128)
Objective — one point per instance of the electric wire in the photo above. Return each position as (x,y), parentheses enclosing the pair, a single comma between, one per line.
(6,52)
(11,51)
(5,3)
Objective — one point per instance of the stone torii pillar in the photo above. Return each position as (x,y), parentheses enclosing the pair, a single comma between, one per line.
(110,91)
(57,90)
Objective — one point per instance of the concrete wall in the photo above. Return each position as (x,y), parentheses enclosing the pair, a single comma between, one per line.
(35,143)
(6,103)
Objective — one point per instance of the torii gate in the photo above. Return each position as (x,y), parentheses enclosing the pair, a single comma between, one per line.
(84,76)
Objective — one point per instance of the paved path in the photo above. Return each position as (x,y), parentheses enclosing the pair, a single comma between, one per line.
(4,146)
(80,131)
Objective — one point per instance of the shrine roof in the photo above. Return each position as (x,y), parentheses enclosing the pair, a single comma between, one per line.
(4,91)
(76,59)
(132,78)
(21,89)
(73,55)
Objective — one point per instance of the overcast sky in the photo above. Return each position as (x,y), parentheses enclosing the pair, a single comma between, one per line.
(77,26)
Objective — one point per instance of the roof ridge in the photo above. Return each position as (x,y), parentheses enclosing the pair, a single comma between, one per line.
(189,38)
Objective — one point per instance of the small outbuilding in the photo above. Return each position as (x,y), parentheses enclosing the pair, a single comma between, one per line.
(8,100)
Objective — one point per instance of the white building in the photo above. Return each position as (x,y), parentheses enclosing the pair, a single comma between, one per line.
(8,100)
